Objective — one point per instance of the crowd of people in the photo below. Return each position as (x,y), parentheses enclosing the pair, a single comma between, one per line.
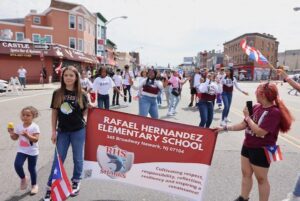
(78,92)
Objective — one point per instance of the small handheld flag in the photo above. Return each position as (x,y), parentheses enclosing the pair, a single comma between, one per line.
(273,153)
(60,187)
(253,53)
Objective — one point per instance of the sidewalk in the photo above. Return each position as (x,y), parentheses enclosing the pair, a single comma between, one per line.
(30,87)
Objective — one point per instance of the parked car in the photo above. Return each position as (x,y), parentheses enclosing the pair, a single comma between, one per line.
(3,86)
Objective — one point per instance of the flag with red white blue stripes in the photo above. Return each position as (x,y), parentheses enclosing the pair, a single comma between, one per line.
(253,53)
(273,153)
(61,187)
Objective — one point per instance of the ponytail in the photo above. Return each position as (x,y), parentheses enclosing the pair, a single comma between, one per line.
(286,116)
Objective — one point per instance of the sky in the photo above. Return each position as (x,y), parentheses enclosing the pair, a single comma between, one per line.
(165,31)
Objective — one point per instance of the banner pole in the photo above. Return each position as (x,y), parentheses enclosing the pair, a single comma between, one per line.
(271,69)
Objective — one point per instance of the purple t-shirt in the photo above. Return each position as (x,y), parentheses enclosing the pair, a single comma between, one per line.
(267,119)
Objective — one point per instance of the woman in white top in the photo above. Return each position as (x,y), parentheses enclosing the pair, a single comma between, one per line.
(149,91)
(228,82)
(209,90)
(86,84)
(101,86)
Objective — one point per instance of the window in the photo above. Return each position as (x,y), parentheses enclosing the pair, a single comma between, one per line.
(98,31)
(72,43)
(19,36)
(103,32)
(80,23)
(80,45)
(72,21)
(48,38)
(36,38)
(37,20)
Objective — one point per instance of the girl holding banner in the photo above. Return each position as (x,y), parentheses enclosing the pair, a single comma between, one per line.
(268,117)
(69,107)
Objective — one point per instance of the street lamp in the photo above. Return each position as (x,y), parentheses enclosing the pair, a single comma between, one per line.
(105,37)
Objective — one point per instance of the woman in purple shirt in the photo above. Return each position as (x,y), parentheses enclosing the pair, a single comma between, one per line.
(269,117)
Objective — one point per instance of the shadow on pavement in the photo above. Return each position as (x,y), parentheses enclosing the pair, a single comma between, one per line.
(191,109)
(18,197)
(167,117)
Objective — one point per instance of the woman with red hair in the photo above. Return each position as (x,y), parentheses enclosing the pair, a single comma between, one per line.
(270,115)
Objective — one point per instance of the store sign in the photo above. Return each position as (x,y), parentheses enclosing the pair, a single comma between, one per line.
(41,47)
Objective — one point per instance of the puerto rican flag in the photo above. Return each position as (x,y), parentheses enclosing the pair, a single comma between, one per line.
(273,153)
(58,69)
(253,53)
(61,187)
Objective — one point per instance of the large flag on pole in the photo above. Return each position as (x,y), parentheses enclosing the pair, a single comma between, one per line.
(61,187)
(253,53)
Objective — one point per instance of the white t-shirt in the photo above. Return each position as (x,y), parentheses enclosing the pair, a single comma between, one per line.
(25,146)
(86,83)
(118,80)
(197,78)
(103,85)
(127,76)
(22,72)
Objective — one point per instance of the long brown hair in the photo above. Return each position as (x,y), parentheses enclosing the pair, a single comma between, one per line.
(271,93)
(59,93)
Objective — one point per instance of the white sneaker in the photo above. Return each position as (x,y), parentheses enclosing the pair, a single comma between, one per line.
(291,197)
(227,120)
(223,123)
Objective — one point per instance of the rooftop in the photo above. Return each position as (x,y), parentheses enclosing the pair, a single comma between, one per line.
(269,36)
(63,5)
(14,20)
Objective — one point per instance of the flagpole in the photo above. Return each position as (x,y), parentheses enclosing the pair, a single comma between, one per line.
(271,69)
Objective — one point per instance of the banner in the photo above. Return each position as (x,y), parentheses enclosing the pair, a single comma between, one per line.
(150,153)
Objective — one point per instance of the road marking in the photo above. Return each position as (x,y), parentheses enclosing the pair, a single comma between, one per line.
(288,138)
(21,97)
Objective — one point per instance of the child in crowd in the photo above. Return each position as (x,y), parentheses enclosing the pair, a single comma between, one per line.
(27,133)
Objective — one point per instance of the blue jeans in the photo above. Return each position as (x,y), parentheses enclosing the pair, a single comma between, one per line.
(103,101)
(19,162)
(159,98)
(227,97)
(125,89)
(297,188)
(76,139)
(147,105)
(206,109)
(174,100)
(22,81)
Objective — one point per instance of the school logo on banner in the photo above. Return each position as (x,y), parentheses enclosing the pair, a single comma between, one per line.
(113,161)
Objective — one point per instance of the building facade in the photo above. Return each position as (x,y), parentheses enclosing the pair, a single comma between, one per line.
(234,56)
(290,59)
(64,34)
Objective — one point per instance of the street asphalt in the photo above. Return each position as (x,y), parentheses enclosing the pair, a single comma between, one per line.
(224,176)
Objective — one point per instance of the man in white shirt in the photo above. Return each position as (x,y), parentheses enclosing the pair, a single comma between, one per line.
(117,78)
(127,82)
(22,76)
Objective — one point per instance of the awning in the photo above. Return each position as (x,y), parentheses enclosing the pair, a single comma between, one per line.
(22,49)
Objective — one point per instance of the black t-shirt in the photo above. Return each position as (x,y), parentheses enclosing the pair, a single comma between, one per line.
(70,116)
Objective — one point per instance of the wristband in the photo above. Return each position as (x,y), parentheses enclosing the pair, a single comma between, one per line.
(225,128)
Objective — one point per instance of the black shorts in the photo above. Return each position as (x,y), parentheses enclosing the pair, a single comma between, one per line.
(256,156)
(193,90)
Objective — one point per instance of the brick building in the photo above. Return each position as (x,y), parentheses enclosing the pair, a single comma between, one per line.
(65,33)
(233,54)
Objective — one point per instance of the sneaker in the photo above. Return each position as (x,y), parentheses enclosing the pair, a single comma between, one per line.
(75,188)
(227,120)
(291,197)
(240,198)
(24,183)
(34,190)
(125,99)
(223,123)
(191,105)
(170,114)
(47,195)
